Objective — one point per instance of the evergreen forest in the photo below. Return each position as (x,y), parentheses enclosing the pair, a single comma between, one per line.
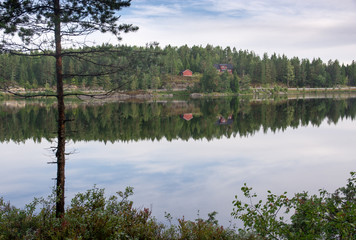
(153,67)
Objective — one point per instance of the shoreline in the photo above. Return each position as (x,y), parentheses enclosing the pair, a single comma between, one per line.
(257,93)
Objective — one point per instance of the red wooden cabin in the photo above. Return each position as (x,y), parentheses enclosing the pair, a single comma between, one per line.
(186,73)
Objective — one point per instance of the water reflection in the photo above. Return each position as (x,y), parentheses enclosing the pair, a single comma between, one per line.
(155,121)
(224,121)
(203,170)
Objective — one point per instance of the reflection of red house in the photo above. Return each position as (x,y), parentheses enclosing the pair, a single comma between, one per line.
(224,121)
(186,73)
(187,116)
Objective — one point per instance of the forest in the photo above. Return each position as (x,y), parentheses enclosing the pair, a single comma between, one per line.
(153,67)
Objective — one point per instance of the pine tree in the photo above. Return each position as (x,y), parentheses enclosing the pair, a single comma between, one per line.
(27,26)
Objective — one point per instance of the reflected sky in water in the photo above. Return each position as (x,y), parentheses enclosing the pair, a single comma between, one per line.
(182,177)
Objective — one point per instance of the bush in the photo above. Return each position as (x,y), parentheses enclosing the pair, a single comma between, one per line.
(92,216)
(323,216)
(204,229)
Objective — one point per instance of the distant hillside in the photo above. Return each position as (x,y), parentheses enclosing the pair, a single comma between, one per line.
(159,68)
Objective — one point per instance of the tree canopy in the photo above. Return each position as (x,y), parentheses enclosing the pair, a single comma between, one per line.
(29,25)
(143,70)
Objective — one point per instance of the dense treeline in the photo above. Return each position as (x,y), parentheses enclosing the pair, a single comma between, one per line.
(105,66)
(155,67)
(155,121)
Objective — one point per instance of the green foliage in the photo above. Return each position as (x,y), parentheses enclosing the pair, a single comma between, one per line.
(323,216)
(92,216)
(234,84)
(28,18)
(204,229)
(244,83)
(209,80)
(152,67)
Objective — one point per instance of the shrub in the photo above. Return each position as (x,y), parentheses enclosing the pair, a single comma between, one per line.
(92,216)
(323,216)
(204,229)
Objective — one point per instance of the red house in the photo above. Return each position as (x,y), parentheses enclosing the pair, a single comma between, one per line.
(186,73)
(223,67)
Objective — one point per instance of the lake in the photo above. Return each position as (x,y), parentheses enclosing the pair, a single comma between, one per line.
(182,157)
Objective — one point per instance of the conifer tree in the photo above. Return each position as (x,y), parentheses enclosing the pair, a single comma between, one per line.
(41,28)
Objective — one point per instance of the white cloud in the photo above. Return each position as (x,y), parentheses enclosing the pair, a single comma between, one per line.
(306,29)
(156,11)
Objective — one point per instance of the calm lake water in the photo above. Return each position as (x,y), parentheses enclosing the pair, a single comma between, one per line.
(176,163)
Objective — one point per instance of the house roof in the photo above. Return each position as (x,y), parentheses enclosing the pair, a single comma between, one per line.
(228,66)
(186,70)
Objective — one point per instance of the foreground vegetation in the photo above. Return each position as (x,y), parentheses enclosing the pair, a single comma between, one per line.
(92,216)
(323,216)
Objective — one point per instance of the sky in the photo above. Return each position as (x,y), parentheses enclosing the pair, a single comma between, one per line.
(302,28)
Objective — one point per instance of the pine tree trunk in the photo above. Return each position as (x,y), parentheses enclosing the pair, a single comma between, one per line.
(60,154)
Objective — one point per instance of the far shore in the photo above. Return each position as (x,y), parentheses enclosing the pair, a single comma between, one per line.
(255,93)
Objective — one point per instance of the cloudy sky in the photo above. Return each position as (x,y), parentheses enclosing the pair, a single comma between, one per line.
(303,28)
